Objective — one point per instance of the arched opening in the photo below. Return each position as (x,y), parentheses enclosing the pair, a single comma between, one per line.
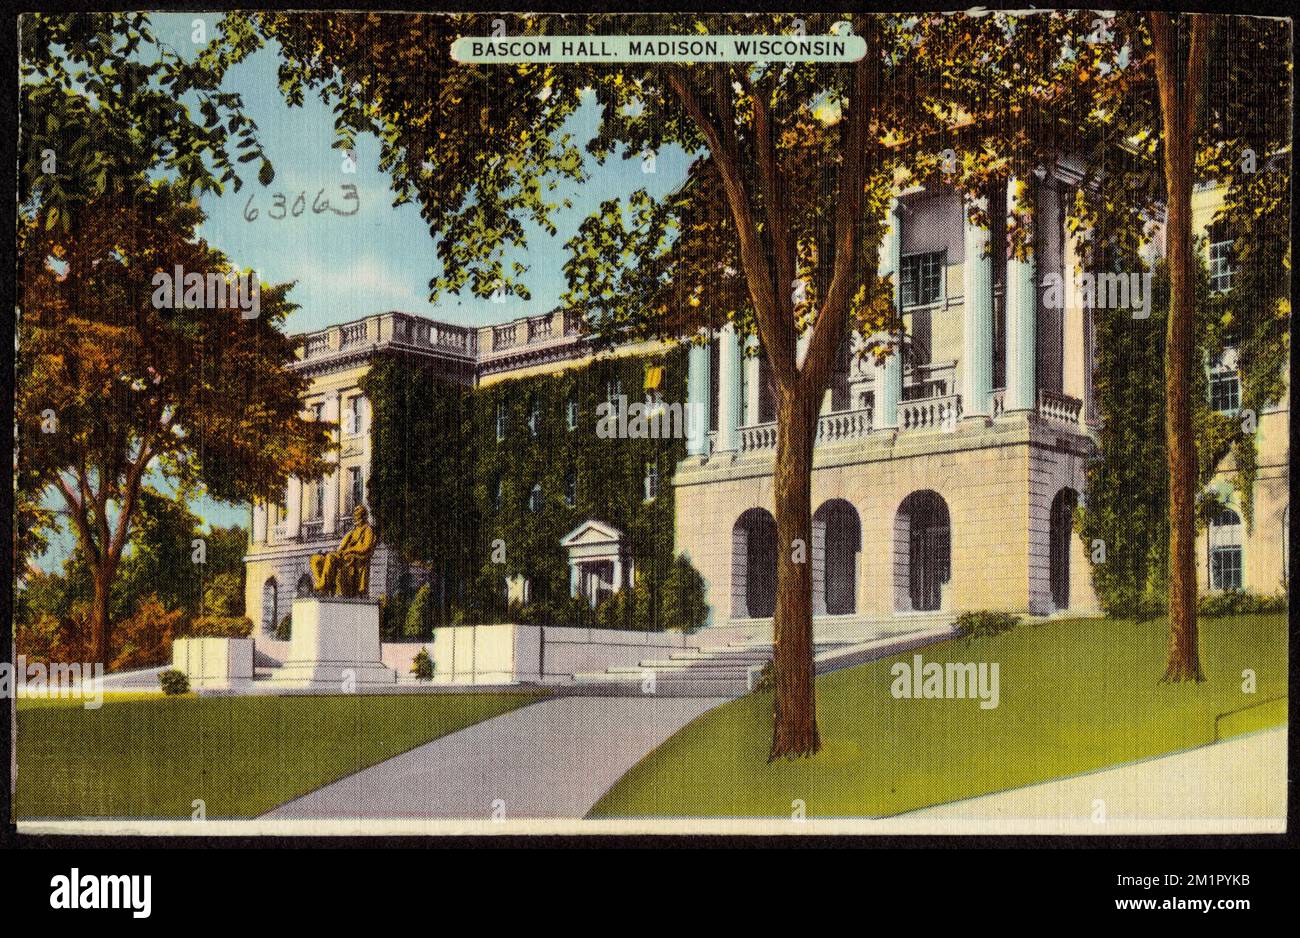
(270,605)
(922,552)
(837,539)
(753,565)
(1060,530)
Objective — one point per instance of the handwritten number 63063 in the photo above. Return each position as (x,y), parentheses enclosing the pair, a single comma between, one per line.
(281,207)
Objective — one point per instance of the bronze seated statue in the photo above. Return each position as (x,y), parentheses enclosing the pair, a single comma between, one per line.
(346,572)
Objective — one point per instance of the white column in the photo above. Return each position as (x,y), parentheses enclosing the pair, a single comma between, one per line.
(1076,369)
(1022,308)
(259,522)
(729,365)
(618,574)
(753,378)
(697,398)
(977,326)
(293,509)
(331,481)
(575,576)
(888,377)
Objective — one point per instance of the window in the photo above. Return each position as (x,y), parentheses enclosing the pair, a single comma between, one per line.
(651,481)
(1225,392)
(356,489)
(354,424)
(501,421)
(534,416)
(270,606)
(570,487)
(1221,270)
(1225,568)
(614,390)
(1225,550)
(571,414)
(535,498)
(318,412)
(315,501)
(921,282)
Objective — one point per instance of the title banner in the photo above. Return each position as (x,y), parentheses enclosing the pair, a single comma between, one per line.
(506,50)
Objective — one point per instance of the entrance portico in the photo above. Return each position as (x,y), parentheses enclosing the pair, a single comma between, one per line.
(599,565)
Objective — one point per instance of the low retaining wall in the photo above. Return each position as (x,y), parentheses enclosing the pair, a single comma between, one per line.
(511,654)
(214,662)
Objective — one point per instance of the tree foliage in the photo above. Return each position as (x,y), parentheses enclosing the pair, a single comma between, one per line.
(112,388)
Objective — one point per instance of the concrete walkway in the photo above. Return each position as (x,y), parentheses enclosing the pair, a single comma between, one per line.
(1239,779)
(552,759)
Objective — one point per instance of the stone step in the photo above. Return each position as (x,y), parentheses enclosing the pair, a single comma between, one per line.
(652,663)
(729,655)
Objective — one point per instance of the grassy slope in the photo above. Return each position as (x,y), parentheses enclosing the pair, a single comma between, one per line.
(241,755)
(1075,696)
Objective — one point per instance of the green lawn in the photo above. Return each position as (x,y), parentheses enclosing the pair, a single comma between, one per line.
(152,757)
(1074,696)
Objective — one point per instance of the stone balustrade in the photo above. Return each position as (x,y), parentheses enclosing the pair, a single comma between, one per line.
(840,426)
(353,334)
(837,427)
(757,437)
(930,413)
(391,327)
(1062,407)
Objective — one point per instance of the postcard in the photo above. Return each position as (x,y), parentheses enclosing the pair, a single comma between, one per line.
(436,423)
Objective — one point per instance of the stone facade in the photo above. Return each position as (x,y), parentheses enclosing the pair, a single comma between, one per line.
(944,477)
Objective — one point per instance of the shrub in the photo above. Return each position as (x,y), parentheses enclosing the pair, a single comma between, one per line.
(223,597)
(392,616)
(49,638)
(419,617)
(284,630)
(615,611)
(766,678)
(422,667)
(174,682)
(1240,603)
(221,627)
(684,604)
(145,638)
(984,624)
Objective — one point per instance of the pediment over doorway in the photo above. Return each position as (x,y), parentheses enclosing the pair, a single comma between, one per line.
(592,533)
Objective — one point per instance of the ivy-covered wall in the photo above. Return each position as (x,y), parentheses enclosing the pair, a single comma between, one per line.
(444,487)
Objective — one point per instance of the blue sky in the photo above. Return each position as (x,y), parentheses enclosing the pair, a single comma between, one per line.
(381,258)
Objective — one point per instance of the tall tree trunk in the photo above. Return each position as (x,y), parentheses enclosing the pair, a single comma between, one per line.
(794,725)
(1177,75)
(100,628)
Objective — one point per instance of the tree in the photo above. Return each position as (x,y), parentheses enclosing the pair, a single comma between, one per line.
(114,387)
(223,591)
(112,391)
(1179,72)
(1182,128)
(777,227)
(802,199)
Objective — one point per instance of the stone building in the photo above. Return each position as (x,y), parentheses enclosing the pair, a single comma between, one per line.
(944,479)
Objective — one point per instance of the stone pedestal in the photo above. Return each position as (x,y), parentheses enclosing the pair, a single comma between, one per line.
(333,646)
(214,663)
